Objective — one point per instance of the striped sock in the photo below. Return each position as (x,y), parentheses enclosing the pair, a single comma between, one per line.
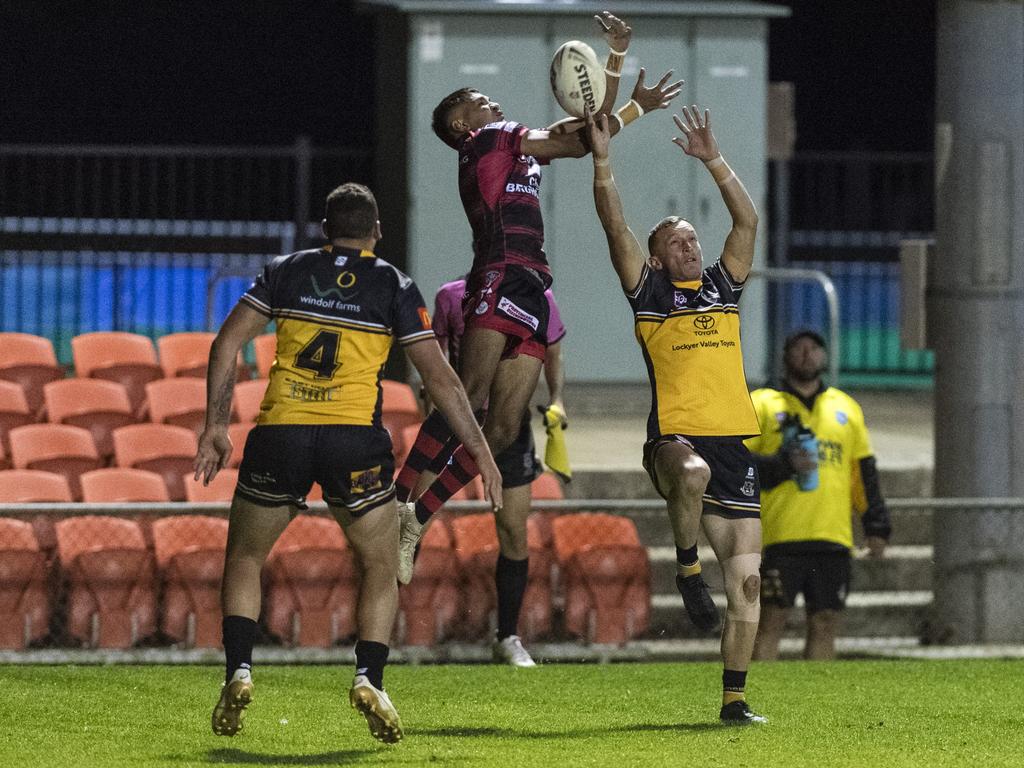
(687,563)
(457,474)
(733,683)
(433,436)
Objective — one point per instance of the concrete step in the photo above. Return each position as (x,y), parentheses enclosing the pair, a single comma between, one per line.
(903,568)
(911,527)
(867,614)
(629,483)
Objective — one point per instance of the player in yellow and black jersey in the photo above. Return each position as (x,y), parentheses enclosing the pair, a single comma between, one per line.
(337,309)
(807,497)
(687,323)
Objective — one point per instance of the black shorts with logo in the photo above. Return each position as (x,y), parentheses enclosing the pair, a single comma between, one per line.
(354,465)
(518,463)
(733,490)
(509,298)
(823,576)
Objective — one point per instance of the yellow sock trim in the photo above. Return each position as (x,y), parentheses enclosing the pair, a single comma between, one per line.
(688,570)
(728,697)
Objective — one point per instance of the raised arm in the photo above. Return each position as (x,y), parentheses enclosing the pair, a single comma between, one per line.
(626,254)
(738,253)
(618,35)
(240,327)
(565,139)
(448,396)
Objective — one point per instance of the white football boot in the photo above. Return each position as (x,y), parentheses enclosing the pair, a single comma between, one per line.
(510,651)
(235,696)
(376,707)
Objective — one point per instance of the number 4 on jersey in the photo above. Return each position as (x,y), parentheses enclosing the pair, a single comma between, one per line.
(320,355)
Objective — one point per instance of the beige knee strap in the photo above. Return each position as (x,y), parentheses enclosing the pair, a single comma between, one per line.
(743,586)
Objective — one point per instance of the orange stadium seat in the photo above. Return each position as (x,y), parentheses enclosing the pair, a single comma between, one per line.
(181,402)
(60,448)
(606,575)
(248,397)
(265,346)
(221,488)
(30,362)
(190,557)
(24,599)
(98,406)
(399,397)
(14,412)
(127,358)
(430,605)
(115,485)
(34,486)
(476,547)
(535,617)
(313,584)
(238,434)
(111,599)
(162,448)
(188,354)
(28,486)
(547,487)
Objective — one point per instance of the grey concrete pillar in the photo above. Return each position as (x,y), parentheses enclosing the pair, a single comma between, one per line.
(976,316)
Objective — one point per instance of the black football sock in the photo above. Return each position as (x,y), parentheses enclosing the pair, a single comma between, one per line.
(370,660)
(733,683)
(239,636)
(510,578)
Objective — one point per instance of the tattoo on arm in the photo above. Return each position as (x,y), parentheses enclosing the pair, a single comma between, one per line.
(222,402)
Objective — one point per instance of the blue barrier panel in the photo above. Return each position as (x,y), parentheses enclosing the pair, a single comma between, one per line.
(62,294)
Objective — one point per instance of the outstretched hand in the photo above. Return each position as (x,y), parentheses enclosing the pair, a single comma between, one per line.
(616,32)
(658,96)
(700,141)
(597,133)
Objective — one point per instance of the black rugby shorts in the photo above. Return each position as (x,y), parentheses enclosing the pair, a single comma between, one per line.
(354,465)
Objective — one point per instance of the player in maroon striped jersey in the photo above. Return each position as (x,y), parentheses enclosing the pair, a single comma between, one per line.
(505,311)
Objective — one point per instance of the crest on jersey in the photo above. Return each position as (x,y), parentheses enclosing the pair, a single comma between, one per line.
(748,488)
(481,308)
(490,277)
(678,299)
(365,480)
(842,418)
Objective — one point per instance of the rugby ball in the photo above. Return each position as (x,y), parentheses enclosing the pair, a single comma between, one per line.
(577,78)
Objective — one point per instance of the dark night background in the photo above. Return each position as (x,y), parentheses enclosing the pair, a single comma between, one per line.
(263,72)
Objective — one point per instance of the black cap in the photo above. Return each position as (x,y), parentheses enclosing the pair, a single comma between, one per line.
(804,333)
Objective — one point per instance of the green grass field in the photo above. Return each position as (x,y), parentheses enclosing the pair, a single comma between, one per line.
(851,713)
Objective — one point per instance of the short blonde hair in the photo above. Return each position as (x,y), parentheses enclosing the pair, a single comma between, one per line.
(668,221)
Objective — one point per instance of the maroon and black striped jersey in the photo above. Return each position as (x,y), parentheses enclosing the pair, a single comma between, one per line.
(500,190)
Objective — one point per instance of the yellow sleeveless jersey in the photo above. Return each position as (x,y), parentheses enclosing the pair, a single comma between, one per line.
(689,333)
(824,514)
(337,311)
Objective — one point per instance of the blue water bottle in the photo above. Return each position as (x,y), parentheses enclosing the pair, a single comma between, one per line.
(808,481)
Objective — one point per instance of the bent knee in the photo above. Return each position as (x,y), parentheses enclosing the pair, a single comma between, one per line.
(689,477)
(743,586)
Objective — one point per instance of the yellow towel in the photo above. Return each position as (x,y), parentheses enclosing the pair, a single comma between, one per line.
(556,455)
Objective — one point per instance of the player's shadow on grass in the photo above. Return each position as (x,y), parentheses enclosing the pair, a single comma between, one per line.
(242,757)
(469,732)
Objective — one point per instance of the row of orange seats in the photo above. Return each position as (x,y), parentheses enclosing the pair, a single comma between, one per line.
(116,590)
(119,592)
(592,564)
(119,382)
(129,359)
